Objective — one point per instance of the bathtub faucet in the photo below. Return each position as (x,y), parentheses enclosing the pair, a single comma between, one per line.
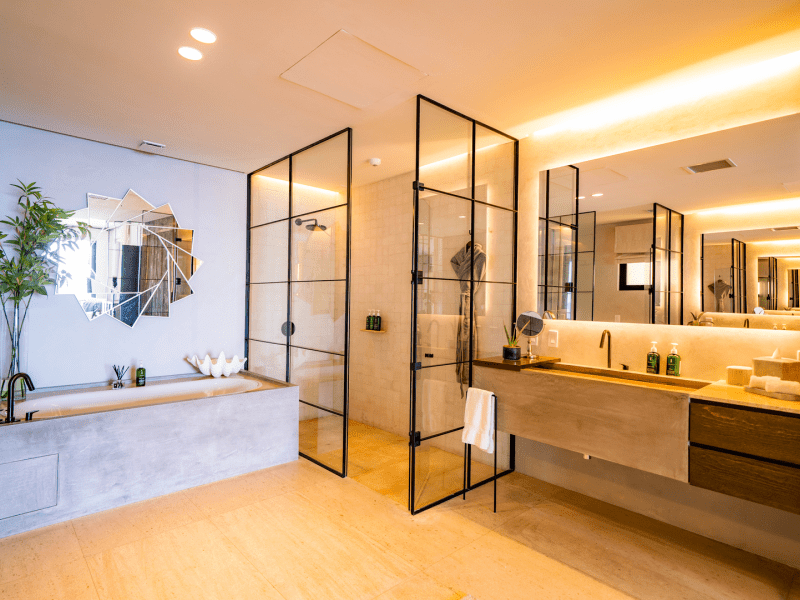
(11,385)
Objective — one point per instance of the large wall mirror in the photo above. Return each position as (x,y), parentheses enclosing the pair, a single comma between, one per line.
(702,231)
(136,262)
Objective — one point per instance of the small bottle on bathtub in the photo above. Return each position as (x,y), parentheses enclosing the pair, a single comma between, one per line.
(140,375)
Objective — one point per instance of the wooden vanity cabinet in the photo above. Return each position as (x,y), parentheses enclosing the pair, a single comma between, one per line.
(749,453)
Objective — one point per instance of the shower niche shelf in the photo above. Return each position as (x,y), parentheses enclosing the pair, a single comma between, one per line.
(375,330)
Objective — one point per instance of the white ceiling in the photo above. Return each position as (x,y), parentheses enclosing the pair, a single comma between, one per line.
(766,154)
(109,71)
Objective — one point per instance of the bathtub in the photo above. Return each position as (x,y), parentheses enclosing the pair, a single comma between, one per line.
(80,402)
(89,450)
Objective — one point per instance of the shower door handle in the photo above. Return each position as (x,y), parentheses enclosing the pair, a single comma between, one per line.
(287,329)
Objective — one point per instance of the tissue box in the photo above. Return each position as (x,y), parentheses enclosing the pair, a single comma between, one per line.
(739,375)
(787,369)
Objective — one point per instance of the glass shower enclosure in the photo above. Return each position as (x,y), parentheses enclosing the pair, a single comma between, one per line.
(298,287)
(464,279)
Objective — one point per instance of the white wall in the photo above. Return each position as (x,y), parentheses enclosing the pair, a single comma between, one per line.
(60,346)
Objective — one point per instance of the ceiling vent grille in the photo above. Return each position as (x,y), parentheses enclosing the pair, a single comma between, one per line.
(151,147)
(793,227)
(710,166)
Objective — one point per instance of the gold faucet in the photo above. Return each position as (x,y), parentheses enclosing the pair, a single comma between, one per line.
(606,332)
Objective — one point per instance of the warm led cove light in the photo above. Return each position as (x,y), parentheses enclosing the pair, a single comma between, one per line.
(596,195)
(581,197)
(190,53)
(203,35)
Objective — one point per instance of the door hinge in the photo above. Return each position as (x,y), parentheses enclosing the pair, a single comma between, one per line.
(416,366)
(416,439)
(416,277)
(418,186)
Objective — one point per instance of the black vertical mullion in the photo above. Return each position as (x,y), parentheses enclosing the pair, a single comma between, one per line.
(702,272)
(412,474)
(289,277)
(473,326)
(668,245)
(246,277)
(575,247)
(546,238)
(653,267)
(347,309)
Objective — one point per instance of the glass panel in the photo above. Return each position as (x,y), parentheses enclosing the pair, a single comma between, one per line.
(494,168)
(676,232)
(440,398)
(321,436)
(584,306)
(442,330)
(494,237)
(318,314)
(444,225)
(660,271)
(662,226)
(268,360)
(319,176)
(269,194)
(320,253)
(586,272)
(445,150)
(269,253)
(660,299)
(586,231)
(561,254)
(675,272)
(493,306)
(438,468)
(563,188)
(320,376)
(482,463)
(675,309)
(268,312)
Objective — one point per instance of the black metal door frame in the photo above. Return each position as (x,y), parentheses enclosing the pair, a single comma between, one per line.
(289,324)
(668,251)
(415,438)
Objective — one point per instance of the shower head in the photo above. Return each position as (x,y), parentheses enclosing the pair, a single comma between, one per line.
(312,226)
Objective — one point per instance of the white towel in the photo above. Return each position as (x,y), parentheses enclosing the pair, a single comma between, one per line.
(479,420)
(760,383)
(783,387)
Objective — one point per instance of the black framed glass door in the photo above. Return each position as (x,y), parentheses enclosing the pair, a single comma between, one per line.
(768,283)
(463,292)
(666,267)
(738,291)
(298,287)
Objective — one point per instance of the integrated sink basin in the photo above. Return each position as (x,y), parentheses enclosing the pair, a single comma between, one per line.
(631,377)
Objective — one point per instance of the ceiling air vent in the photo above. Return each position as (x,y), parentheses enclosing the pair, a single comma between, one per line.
(151,147)
(711,166)
(791,228)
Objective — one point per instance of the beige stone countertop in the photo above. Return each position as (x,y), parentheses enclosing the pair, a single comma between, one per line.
(733,394)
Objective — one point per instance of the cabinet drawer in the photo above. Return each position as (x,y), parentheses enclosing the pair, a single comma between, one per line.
(747,478)
(762,434)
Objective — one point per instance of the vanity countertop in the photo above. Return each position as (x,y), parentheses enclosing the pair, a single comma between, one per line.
(733,394)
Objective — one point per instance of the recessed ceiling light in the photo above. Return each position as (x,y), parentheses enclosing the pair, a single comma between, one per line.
(203,35)
(596,195)
(190,53)
(462,217)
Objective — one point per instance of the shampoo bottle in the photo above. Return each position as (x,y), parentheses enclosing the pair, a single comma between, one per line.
(140,375)
(377,323)
(369,320)
(674,362)
(653,360)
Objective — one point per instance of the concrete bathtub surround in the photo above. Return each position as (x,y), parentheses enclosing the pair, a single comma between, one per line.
(165,437)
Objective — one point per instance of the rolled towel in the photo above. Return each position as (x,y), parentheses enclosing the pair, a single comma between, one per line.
(783,387)
(760,383)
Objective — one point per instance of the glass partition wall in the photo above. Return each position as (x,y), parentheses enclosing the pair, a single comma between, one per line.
(298,287)
(463,292)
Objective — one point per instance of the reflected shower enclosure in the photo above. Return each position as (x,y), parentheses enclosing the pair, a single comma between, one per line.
(136,262)
(298,288)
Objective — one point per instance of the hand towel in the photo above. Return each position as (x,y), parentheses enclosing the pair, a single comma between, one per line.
(783,387)
(760,382)
(479,420)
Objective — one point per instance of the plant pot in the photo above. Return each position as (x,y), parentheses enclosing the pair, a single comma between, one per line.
(512,352)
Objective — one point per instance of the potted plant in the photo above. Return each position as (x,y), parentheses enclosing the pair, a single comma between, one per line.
(512,351)
(28,258)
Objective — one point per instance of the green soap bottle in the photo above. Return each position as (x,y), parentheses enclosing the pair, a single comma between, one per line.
(674,362)
(140,375)
(653,360)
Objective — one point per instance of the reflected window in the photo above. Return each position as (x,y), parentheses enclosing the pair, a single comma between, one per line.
(634,276)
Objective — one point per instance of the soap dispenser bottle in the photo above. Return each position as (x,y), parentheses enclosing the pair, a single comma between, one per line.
(140,375)
(653,360)
(369,320)
(376,324)
(674,362)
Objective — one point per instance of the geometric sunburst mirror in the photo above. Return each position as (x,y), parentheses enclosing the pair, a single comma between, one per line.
(136,263)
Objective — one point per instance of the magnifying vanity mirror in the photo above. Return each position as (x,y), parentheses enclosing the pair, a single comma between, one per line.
(701,231)
(136,262)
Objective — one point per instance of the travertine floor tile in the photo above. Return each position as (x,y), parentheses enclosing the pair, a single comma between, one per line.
(496,568)
(302,473)
(38,551)
(70,581)
(194,561)
(230,494)
(478,507)
(118,526)
(421,587)
(305,552)
(421,540)
(644,557)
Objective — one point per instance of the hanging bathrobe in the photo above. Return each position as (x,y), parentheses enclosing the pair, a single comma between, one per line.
(462,265)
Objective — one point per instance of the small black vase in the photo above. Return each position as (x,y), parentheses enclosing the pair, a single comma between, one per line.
(512,352)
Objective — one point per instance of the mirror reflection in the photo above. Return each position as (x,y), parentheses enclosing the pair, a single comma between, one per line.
(686,233)
(136,261)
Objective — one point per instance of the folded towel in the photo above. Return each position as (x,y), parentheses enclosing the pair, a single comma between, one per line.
(783,387)
(479,420)
(760,383)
